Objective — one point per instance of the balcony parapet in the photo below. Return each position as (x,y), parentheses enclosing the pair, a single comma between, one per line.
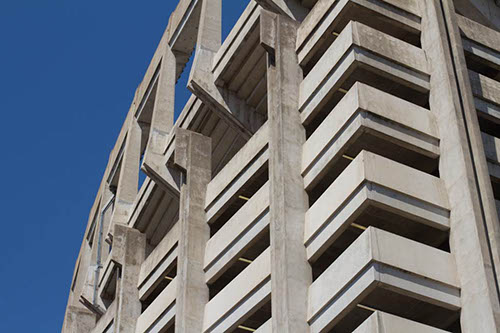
(238,171)
(374,181)
(250,289)
(157,263)
(161,313)
(381,322)
(379,259)
(237,234)
(360,45)
(328,17)
(366,109)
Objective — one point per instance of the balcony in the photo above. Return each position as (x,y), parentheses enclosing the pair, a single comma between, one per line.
(239,172)
(158,263)
(367,118)
(241,297)
(401,19)
(363,54)
(160,315)
(381,271)
(240,63)
(237,235)
(376,191)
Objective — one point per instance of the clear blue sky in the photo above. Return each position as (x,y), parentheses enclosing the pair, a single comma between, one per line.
(69,70)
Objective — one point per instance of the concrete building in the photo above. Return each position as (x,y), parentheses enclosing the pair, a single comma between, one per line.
(336,169)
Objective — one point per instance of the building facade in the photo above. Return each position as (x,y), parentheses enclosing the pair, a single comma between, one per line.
(336,169)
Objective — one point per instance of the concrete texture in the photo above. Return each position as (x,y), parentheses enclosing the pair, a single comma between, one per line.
(336,169)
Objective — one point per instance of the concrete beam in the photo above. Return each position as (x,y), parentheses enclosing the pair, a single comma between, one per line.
(240,116)
(486,12)
(290,8)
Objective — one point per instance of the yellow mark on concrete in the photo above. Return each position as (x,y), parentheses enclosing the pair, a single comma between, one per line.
(241,327)
(248,261)
(358,226)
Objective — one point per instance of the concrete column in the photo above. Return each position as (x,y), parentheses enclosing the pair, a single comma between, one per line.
(193,154)
(471,124)
(290,273)
(78,320)
(164,107)
(468,241)
(128,181)
(130,245)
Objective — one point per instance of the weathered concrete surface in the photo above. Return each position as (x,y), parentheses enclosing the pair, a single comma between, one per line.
(486,11)
(193,155)
(381,322)
(291,273)
(468,238)
(131,246)
(393,142)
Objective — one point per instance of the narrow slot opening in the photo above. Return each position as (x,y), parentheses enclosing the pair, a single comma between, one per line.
(259,245)
(240,198)
(160,285)
(255,319)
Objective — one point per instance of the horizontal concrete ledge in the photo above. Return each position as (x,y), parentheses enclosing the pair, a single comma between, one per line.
(378,259)
(231,48)
(141,202)
(359,46)
(479,33)
(485,88)
(487,110)
(157,263)
(327,16)
(245,292)
(237,234)
(240,170)
(237,164)
(491,147)
(414,128)
(414,194)
(107,319)
(381,322)
(482,53)
(161,313)
(185,121)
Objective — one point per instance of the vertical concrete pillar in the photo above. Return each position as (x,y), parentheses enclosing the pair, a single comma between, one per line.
(291,273)
(468,241)
(130,245)
(471,124)
(128,181)
(193,154)
(164,106)
(78,319)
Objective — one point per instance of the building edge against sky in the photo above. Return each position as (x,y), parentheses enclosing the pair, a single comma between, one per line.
(336,169)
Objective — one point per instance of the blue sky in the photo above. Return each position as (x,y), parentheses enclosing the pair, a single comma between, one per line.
(68,72)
